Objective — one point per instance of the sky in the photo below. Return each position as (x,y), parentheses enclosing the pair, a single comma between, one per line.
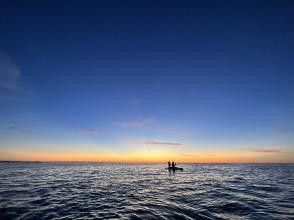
(147,81)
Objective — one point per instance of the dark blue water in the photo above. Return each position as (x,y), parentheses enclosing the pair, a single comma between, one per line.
(115,191)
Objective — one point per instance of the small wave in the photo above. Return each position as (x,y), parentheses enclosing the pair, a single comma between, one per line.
(111,191)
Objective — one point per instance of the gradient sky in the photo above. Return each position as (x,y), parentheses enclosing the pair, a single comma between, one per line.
(147,81)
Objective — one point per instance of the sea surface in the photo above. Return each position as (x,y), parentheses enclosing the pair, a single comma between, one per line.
(125,191)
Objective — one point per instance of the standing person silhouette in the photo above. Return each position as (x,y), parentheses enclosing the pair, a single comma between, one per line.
(168,164)
(173,164)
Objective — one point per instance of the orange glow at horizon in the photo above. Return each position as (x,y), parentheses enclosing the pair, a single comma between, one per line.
(143,157)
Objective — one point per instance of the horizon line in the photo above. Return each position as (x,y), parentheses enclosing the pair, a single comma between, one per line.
(125,162)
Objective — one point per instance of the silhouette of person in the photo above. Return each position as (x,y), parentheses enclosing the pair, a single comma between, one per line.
(168,164)
(173,164)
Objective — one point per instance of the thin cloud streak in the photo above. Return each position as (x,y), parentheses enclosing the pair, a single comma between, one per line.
(174,144)
(267,151)
(135,123)
(14,98)
(286,130)
(190,155)
(92,132)
(19,129)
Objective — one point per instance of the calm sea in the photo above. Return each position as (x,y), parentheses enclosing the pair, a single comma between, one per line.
(121,191)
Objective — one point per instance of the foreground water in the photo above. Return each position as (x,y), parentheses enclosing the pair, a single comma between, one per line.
(105,191)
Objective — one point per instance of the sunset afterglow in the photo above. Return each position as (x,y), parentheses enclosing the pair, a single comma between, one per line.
(149,83)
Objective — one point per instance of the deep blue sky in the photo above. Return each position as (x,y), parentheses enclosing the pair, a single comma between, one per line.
(211,76)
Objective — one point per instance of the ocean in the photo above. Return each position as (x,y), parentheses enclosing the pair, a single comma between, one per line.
(146,191)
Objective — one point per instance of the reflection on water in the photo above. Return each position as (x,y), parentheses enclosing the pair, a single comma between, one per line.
(103,191)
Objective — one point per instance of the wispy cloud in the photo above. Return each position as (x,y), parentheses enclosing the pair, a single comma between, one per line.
(286,130)
(14,98)
(19,129)
(159,143)
(266,151)
(190,155)
(92,131)
(135,123)
(10,81)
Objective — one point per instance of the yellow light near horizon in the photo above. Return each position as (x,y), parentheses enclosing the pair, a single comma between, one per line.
(143,156)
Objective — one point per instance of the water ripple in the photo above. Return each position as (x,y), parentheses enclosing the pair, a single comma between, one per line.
(120,191)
